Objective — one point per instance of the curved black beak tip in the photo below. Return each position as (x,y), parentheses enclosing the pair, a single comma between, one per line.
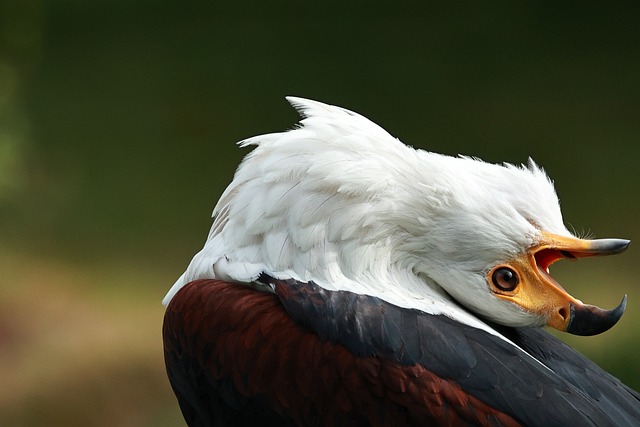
(589,320)
(622,246)
(609,246)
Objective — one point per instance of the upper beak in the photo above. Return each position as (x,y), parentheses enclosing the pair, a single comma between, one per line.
(538,292)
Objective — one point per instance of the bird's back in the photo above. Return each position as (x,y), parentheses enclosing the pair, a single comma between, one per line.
(307,356)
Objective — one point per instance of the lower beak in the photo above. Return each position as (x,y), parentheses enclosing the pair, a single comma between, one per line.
(587,319)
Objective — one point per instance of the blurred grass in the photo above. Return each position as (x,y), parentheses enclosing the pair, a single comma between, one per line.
(81,345)
(117,129)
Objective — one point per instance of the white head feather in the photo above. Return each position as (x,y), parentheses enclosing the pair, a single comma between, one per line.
(341,202)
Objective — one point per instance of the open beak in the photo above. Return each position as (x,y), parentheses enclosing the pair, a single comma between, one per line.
(539,293)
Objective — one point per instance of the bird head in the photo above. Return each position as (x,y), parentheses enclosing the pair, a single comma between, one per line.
(490,238)
(340,202)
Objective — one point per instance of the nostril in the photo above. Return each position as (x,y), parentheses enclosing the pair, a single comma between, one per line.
(563,313)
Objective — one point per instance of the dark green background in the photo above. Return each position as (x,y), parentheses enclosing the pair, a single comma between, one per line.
(118,121)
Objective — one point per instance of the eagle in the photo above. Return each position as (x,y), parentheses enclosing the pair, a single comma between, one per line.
(351,280)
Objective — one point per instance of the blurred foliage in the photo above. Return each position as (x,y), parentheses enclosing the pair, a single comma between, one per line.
(117,129)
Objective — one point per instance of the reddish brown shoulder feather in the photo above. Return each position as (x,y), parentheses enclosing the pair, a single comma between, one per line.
(234,356)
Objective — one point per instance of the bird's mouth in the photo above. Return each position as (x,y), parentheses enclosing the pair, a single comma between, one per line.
(526,282)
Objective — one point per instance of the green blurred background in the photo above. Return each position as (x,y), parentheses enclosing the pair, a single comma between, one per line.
(117,128)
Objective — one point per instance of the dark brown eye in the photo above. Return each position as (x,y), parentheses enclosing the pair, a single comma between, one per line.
(505,279)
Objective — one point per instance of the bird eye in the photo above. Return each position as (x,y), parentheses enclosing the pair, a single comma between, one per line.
(505,279)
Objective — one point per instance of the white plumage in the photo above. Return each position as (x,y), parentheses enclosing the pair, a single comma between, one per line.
(341,202)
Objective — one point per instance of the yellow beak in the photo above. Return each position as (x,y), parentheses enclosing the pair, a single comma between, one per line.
(529,285)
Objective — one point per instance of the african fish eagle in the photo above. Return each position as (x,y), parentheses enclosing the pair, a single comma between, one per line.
(349,279)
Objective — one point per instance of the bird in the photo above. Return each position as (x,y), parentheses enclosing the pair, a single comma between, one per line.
(349,279)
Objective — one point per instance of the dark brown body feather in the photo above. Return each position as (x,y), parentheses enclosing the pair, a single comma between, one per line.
(311,357)
(246,361)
